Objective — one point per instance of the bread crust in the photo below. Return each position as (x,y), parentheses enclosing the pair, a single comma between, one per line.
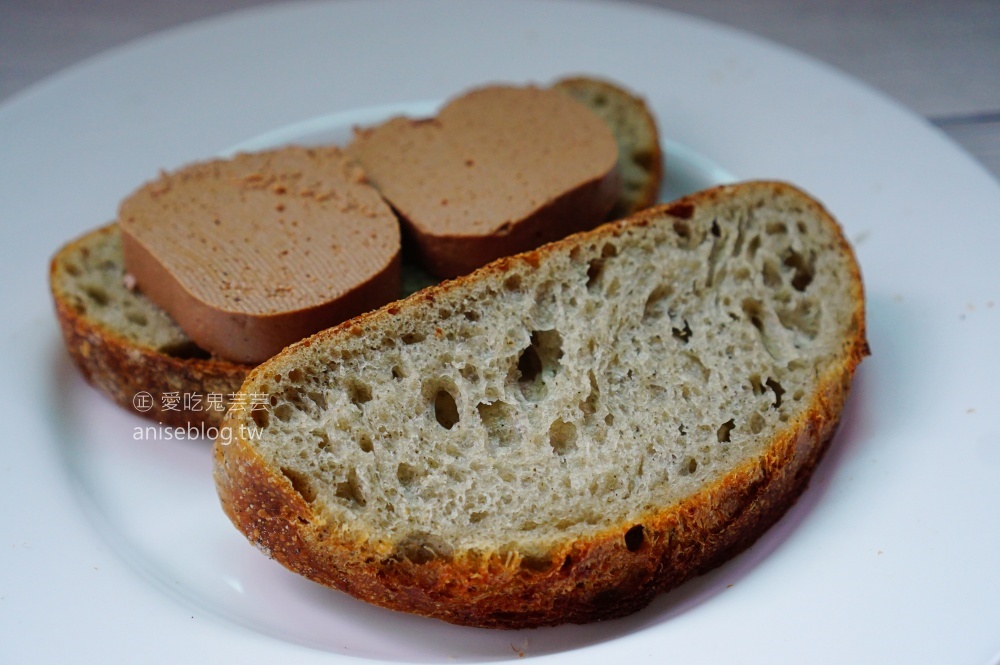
(121,368)
(606,575)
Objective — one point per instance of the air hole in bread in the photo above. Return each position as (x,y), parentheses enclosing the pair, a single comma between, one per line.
(300,483)
(635,537)
(97,295)
(655,306)
(284,412)
(499,420)
(538,362)
(293,396)
(562,437)
(398,372)
(318,398)
(689,466)
(73,269)
(528,525)
(413,338)
(777,390)
(445,409)
(754,311)
(775,228)
(804,269)
(722,434)
(512,283)
(645,160)
(756,384)
(802,319)
(716,268)
(472,315)
(478,516)
(359,392)
(295,376)
(756,423)
(186,350)
(138,318)
(594,269)
(350,489)
(682,334)
(529,367)
(470,373)
(261,416)
(589,405)
(406,473)
(322,439)
(772,276)
(683,231)
(741,274)
(365,443)
(753,246)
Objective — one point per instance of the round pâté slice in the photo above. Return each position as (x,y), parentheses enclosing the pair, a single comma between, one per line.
(251,253)
(500,170)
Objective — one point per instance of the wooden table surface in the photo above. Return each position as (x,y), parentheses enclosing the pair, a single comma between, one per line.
(940,58)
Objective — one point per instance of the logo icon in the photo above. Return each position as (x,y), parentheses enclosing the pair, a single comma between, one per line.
(142,401)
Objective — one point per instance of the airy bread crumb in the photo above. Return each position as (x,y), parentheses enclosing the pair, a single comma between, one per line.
(556,403)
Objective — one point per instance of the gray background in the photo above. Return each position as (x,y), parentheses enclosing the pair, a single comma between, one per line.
(941,59)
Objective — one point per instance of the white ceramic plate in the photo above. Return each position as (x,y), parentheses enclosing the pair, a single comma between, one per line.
(115,548)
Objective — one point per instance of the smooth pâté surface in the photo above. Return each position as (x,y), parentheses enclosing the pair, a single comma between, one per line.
(500,169)
(251,253)
(563,434)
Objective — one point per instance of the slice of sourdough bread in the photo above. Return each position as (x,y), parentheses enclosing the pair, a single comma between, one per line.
(640,157)
(565,433)
(126,345)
